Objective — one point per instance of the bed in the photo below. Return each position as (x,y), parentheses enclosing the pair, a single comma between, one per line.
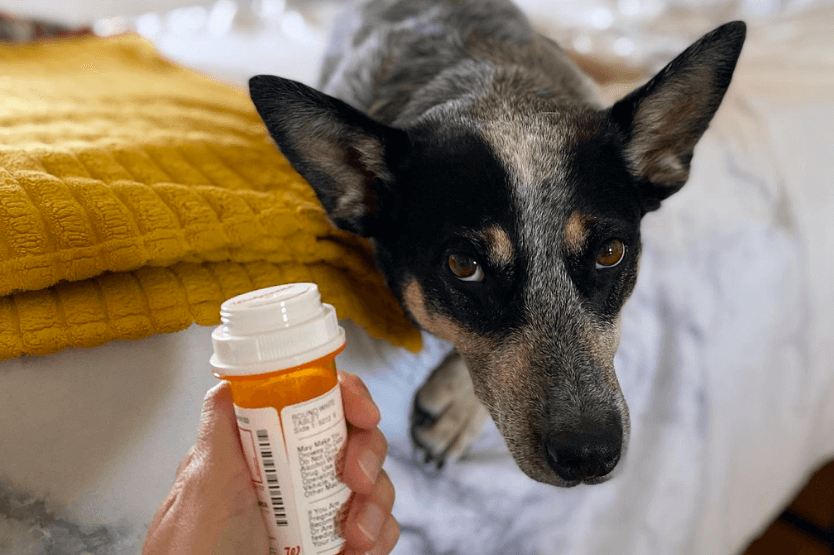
(727,352)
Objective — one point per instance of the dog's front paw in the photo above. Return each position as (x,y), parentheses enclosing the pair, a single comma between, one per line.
(447,416)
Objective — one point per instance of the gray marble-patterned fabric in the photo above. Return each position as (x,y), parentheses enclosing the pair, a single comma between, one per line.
(29,527)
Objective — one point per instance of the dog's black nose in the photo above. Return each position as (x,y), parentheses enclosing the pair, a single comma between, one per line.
(584,455)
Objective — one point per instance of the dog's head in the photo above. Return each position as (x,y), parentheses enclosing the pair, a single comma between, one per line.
(510,227)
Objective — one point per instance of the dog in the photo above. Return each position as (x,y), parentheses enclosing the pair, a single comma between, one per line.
(503,200)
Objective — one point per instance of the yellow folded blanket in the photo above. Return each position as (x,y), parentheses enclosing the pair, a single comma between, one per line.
(136,196)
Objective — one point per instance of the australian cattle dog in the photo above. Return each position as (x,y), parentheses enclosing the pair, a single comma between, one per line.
(503,199)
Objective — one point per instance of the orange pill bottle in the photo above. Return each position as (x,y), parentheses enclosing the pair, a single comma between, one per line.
(277,348)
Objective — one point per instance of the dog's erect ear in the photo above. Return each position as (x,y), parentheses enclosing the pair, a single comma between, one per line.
(344,155)
(663,119)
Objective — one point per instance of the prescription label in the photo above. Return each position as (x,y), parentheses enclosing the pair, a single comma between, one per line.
(295,460)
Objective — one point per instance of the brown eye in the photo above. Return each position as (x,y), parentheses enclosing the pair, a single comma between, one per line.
(465,267)
(610,254)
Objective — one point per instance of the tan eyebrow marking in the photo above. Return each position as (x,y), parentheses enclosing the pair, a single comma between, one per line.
(576,231)
(500,245)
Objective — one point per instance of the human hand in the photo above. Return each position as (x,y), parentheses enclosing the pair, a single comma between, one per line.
(213,508)
(369,527)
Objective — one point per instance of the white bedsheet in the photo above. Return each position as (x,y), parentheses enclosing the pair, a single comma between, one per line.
(726,357)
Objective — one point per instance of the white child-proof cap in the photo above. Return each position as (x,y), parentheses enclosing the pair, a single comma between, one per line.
(274,329)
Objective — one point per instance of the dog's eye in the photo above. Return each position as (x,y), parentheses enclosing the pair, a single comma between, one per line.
(610,254)
(465,267)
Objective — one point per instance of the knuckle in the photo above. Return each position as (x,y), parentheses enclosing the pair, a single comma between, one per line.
(380,441)
(186,461)
(391,534)
(384,492)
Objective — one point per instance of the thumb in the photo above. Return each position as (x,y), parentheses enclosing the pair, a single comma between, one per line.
(217,438)
(218,467)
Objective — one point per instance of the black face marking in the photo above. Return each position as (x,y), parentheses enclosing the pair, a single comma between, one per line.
(449,190)
(602,187)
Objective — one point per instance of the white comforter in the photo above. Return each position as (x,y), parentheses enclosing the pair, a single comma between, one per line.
(727,354)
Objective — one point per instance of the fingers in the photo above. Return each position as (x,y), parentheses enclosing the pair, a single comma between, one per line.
(390,536)
(369,522)
(365,453)
(369,528)
(360,409)
(388,539)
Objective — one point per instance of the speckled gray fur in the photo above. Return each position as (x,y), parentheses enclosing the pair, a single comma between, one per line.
(397,59)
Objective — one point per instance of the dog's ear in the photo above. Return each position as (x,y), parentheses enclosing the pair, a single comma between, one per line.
(663,119)
(344,155)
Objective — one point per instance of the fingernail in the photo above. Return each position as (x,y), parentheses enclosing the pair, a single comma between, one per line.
(390,535)
(371,521)
(370,465)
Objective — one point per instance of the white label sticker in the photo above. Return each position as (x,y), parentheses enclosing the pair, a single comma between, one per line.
(296,473)
(315,433)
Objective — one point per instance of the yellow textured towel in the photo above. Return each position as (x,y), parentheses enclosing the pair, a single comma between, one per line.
(136,196)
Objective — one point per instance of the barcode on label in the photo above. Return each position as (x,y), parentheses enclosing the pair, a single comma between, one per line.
(279,512)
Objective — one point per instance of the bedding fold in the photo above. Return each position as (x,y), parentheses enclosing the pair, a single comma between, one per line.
(136,196)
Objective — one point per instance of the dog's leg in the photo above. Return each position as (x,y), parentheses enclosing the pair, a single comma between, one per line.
(447,416)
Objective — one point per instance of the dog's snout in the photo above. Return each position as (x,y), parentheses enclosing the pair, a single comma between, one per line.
(584,455)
